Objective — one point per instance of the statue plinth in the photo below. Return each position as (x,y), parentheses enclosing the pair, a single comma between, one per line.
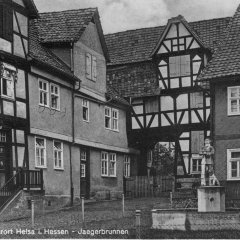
(211,199)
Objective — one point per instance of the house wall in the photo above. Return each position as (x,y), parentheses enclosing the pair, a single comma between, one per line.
(44,118)
(54,125)
(94,130)
(224,124)
(100,186)
(56,182)
(90,43)
(226,128)
(133,79)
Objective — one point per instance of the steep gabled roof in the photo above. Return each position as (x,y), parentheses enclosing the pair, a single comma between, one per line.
(226,60)
(43,56)
(178,19)
(68,26)
(137,45)
(64,26)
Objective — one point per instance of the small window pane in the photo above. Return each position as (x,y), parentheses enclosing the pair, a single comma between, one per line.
(235,154)
(234,107)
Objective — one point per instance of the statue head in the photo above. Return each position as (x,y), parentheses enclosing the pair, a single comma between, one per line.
(207,142)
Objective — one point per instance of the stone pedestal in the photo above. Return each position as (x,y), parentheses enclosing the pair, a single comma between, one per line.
(211,199)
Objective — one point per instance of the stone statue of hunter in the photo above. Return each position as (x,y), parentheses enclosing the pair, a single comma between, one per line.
(207,173)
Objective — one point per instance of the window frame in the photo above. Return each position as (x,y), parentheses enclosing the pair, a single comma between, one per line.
(8,79)
(83,170)
(104,160)
(88,110)
(229,98)
(44,91)
(57,150)
(91,66)
(44,152)
(112,160)
(115,118)
(108,116)
(199,159)
(85,155)
(54,94)
(229,161)
(127,166)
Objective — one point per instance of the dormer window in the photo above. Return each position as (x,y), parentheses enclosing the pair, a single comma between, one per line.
(7,81)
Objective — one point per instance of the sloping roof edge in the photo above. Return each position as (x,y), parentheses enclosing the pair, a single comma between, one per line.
(97,21)
(171,21)
(32,8)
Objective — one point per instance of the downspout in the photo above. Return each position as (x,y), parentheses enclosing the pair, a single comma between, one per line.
(73,124)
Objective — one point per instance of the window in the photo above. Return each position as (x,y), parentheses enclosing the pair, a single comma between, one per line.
(112,164)
(83,170)
(108,164)
(85,109)
(196,165)
(91,67)
(233,158)
(3,136)
(127,166)
(111,118)
(58,155)
(104,164)
(108,118)
(55,97)
(115,119)
(83,155)
(43,93)
(83,158)
(7,83)
(233,100)
(179,66)
(6,22)
(40,152)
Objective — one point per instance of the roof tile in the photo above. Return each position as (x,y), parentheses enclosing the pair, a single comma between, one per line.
(137,45)
(64,26)
(226,59)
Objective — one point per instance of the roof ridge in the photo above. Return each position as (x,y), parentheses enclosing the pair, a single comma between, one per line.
(69,10)
(131,30)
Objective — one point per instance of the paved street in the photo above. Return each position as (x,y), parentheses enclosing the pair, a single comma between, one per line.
(98,215)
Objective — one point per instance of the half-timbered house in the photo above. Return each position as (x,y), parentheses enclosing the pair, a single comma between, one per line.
(14,101)
(156,70)
(62,129)
(222,74)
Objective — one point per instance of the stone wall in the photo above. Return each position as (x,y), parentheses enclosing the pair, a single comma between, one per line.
(133,79)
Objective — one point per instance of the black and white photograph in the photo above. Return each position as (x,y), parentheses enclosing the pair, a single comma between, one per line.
(119,119)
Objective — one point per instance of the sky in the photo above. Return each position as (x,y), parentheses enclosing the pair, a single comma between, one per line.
(121,15)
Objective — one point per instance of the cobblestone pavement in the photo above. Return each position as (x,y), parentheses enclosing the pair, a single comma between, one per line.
(98,215)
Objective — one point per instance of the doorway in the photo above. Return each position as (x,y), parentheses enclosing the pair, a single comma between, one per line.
(85,173)
(5,160)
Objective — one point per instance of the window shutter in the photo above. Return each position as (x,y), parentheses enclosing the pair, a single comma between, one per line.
(88,65)
(1,20)
(94,68)
(8,23)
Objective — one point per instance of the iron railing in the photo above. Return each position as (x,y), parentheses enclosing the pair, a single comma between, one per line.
(23,179)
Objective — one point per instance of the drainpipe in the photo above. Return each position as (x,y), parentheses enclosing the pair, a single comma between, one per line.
(73,124)
(73,138)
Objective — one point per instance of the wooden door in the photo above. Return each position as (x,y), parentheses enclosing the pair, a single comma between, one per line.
(5,161)
(84,174)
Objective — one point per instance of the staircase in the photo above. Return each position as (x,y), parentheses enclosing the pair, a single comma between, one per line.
(23,179)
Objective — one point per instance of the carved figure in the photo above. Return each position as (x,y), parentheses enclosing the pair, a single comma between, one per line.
(207,173)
